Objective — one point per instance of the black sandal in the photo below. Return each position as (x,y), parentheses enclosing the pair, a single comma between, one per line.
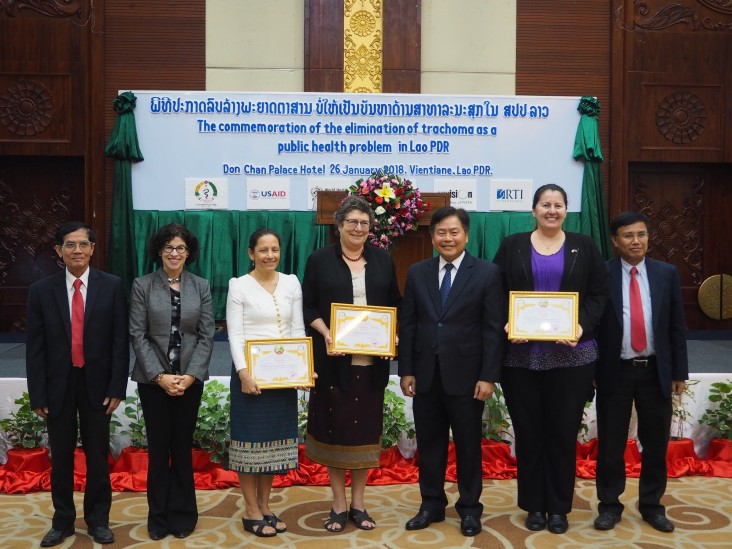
(273,520)
(359,517)
(335,518)
(256,527)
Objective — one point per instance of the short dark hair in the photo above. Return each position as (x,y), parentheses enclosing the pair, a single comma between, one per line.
(448,211)
(73,226)
(628,218)
(350,203)
(168,232)
(549,187)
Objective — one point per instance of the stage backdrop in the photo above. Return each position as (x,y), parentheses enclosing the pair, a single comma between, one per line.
(227,163)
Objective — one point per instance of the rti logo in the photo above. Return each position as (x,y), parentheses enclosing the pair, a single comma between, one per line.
(510,194)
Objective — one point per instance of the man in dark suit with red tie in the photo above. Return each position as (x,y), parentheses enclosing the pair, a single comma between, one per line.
(643,360)
(77,361)
(451,343)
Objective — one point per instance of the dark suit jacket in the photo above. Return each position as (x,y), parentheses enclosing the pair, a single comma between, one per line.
(327,280)
(583,273)
(150,325)
(669,334)
(467,334)
(48,350)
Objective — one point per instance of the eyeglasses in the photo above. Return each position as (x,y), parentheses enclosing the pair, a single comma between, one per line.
(353,223)
(639,235)
(71,246)
(168,249)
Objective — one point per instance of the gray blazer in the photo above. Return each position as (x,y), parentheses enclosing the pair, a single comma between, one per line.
(150,325)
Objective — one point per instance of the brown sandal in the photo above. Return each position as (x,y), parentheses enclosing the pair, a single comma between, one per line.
(359,517)
(335,518)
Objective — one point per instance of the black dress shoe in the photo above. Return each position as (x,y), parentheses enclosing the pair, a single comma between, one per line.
(423,519)
(56,537)
(157,536)
(660,523)
(101,534)
(606,521)
(557,524)
(183,534)
(470,526)
(535,521)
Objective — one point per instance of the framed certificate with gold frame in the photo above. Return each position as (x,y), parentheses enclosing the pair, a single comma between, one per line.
(543,316)
(363,329)
(280,363)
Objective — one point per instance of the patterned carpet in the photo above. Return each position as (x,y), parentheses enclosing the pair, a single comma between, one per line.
(701,507)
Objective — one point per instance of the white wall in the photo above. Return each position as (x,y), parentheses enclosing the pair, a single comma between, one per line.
(255,45)
(468,46)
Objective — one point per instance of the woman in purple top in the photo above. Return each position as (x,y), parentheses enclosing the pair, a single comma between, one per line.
(546,384)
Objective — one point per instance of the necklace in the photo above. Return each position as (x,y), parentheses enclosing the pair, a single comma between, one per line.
(551,244)
(174,280)
(354,259)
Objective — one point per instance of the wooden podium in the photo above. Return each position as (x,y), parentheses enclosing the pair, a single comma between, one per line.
(410,248)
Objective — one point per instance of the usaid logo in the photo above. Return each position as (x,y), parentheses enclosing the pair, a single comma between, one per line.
(256,194)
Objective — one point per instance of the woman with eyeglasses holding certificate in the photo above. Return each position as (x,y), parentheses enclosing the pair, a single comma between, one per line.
(346,405)
(172,329)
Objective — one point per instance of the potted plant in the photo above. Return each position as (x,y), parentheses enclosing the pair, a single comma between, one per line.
(496,421)
(497,436)
(681,455)
(26,434)
(134,457)
(719,419)
(395,422)
(212,434)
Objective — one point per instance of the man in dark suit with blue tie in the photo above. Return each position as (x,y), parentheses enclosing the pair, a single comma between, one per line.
(77,361)
(451,343)
(643,360)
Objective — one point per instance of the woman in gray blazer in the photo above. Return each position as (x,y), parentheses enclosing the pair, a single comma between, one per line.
(172,329)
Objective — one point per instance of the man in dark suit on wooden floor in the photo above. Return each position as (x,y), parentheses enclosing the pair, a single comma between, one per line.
(451,342)
(643,360)
(77,361)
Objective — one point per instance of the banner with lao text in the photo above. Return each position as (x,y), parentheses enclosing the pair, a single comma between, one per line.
(276,150)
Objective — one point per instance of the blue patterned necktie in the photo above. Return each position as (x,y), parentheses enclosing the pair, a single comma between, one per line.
(446,284)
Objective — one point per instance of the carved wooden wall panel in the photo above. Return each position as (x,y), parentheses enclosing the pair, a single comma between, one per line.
(683,203)
(672,153)
(324,32)
(37,195)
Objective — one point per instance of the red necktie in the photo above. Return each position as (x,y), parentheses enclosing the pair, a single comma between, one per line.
(637,322)
(77,326)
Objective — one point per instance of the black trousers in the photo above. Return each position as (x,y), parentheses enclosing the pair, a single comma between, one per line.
(435,412)
(546,409)
(639,385)
(93,425)
(170,422)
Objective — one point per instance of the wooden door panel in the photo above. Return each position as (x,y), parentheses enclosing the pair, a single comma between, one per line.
(687,205)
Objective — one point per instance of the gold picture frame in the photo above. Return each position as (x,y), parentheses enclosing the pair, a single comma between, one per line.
(363,329)
(543,316)
(280,363)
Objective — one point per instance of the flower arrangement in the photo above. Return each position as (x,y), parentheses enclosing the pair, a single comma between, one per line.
(397,205)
